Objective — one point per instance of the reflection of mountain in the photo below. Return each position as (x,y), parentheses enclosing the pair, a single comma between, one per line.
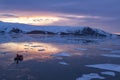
(54,30)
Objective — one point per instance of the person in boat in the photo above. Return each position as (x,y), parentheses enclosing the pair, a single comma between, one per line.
(18,58)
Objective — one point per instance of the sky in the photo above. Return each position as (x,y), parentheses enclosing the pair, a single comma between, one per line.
(103,14)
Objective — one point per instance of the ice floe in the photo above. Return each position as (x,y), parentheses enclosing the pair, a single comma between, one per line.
(105,49)
(111,55)
(115,51)
(62,54)
(108,73)
(112,67)
(81,49)
(90,76)
(63,63)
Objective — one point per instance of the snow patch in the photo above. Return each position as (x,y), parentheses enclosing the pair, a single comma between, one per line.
(108,73)
(111,55)
(90,76)
(112,67)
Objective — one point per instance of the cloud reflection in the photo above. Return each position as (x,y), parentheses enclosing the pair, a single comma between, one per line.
(31,50)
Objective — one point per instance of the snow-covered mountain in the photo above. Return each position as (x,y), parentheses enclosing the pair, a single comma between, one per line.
(61,30)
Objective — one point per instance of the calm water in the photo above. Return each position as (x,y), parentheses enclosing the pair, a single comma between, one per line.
(54,57)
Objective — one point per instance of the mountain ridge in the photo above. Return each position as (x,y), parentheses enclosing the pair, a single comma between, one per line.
(6,27)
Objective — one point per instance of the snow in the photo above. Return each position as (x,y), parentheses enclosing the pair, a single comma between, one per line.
(111,55)
(81,49)
(115,51)
(108,73)
(62,54)
(90,76)
(112,67)
(63,63)
(56,29)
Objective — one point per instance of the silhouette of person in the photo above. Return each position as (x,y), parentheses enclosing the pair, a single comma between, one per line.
(18,58)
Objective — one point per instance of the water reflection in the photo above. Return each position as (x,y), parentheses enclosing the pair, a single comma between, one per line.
(30,50)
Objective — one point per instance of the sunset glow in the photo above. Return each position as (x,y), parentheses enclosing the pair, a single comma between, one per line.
(32,48)
(34,20)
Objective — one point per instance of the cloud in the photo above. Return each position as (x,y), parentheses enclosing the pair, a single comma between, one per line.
(86,7)
(8,15)
(104,14)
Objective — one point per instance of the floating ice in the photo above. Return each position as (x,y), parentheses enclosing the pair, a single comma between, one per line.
(111,55)
(105,49)
(90,76)
(63,63)
(81,49)
(62,54)
(115,51)
(108,73)
(112,67)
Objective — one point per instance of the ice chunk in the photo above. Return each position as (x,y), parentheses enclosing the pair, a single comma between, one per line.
(112,67)
(108,73)
(111,55)
(63,63)
(90,76)
(62,54)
